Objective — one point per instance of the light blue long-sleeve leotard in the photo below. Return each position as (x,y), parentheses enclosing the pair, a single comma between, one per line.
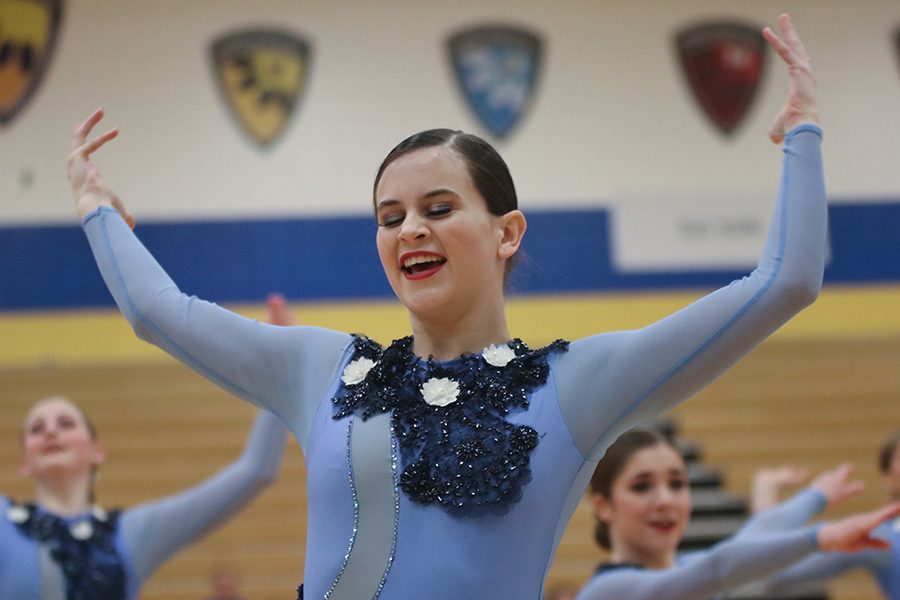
(150,533)
(884,565)
(764,545)
(365,537)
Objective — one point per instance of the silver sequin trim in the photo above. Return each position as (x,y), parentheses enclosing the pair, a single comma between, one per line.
(396,516)
(355,511)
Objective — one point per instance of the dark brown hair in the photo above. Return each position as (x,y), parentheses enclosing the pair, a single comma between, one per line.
(886,454)
(613,463)
(486,167)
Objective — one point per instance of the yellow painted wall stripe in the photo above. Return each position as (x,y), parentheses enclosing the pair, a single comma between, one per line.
(103,336)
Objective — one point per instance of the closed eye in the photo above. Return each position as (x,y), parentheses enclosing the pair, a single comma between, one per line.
(439,210)
(390,220)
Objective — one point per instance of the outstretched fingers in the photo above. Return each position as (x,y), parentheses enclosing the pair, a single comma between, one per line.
(780,47)
(90,147)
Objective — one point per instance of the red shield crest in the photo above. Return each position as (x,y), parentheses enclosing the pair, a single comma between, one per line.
(723,63)
(28,32)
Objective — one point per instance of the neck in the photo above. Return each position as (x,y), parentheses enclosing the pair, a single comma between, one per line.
(624,554)
(452,335)
(65,496)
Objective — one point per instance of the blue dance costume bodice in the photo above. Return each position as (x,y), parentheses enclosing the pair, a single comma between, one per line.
(139,539)
(367,537)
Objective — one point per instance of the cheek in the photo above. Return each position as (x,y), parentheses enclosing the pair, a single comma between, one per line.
(382,244)
(31,447)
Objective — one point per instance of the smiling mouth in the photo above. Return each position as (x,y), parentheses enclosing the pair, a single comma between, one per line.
(417,267)
(663,525)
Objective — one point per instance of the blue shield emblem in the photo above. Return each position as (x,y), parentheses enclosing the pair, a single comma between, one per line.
(497,69)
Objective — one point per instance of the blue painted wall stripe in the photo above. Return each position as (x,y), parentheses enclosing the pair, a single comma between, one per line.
(334,258)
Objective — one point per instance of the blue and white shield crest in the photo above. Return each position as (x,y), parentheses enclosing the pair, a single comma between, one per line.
(497,69)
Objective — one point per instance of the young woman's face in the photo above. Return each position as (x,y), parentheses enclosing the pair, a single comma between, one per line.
(439,246)
(649,506)
(57,438)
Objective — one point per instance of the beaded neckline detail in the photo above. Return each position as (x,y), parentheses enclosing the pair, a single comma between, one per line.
(449,418)
(83,548)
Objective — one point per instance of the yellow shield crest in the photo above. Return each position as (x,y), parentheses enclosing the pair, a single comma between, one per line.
(28,31)
(262,75)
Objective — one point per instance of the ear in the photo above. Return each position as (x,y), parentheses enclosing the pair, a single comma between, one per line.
(99,454)
(602,508)
(512,229)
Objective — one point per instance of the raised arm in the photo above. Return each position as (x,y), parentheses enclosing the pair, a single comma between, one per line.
(154,531)
(610,382)
(739,561)
(829,489)
(287,370)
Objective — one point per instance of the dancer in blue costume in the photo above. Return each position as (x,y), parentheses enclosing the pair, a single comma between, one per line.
(641,498)
(62,546)
(448,464)
(883,565)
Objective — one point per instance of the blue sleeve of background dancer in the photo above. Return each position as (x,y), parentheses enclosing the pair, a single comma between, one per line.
(154,531)
(792,513)
(610,382)
(287,370)
(727,565)
(826,565)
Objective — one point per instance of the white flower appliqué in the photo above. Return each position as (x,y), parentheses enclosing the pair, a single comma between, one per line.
(440,391)
(82,530)
(498,356)
(99,514)
(17,514)
(357,371)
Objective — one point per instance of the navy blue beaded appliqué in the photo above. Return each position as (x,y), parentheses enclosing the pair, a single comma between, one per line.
(85,551)
(464,456)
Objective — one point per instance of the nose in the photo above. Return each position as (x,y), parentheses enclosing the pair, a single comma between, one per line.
(413,228)
(666,496)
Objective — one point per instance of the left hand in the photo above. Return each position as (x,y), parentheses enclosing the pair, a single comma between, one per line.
(279,313)
(801,106)
(854,533)
(87,186)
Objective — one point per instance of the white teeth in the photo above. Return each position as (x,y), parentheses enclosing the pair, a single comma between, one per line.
(415,260)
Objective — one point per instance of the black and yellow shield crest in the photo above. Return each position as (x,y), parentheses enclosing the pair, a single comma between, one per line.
(28,31)
(262,74)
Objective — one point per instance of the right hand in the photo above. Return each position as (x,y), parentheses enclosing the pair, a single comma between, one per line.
(88,188)
(854,533)
(836,486)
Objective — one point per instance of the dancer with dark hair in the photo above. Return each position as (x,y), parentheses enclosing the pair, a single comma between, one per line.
(641,498)
(448,464)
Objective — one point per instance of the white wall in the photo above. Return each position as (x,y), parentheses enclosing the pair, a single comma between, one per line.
(613,118)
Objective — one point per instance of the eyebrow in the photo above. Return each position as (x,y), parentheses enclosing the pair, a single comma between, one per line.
(433,193)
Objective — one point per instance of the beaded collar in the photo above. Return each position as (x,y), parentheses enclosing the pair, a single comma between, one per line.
(456,447)
(84,549)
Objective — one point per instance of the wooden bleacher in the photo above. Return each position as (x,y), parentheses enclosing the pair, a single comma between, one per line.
(812,403)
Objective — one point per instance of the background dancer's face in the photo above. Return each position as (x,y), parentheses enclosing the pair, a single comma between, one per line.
(58,440)
(440,247)
(648,508)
